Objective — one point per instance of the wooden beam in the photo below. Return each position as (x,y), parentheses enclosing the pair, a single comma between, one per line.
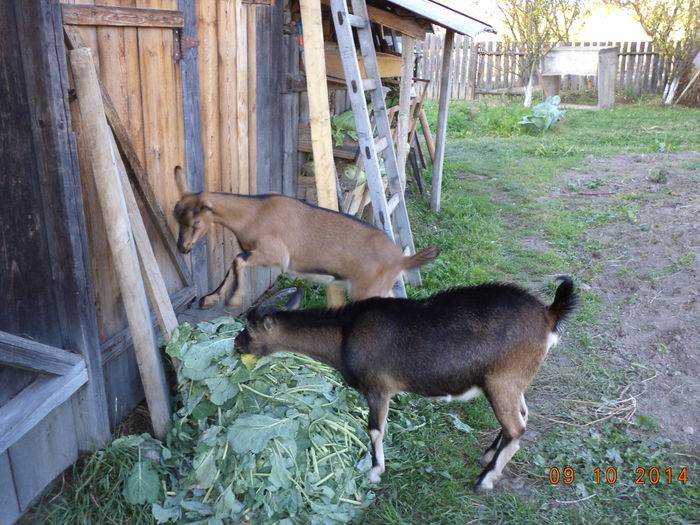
(320,119)
(445,88)
(96,15)
(403,118)
(121,243)
(22,413)
(155,285)
(445,16)
(26,354)
(406,25)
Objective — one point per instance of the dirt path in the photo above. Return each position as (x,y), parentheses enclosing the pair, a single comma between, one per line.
(646,269)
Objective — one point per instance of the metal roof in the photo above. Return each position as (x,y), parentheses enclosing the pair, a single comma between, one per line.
(445,16)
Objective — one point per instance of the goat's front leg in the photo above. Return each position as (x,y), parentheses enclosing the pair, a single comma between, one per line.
(272,253)
(378,410)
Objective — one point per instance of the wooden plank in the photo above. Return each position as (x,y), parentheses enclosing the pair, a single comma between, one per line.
(8,493)
(471,76)
(320,119)
(121,243)
(403,124)
(209,99)
(46,450)
(157,292)
(26,354)
(319,112)
(95,15)
(43,51)
(441,135)
(406,25)
(290,108)
(194,152)
(24,411)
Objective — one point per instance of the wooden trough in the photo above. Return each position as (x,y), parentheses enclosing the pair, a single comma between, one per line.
(585,61)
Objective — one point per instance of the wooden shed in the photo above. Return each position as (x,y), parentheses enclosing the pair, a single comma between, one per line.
(213,86)
(194,84)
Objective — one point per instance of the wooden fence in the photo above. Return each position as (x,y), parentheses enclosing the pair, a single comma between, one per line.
(493,67)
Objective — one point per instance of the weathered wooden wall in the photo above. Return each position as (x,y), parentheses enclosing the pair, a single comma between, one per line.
(44,271)
(640,68)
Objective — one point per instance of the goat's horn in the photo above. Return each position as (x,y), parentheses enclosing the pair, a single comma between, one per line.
(269,305)
(181,181)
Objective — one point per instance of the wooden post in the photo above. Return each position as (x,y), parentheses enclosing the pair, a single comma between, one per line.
(445,79)
(403,119)
(427,134)
(607,71)
(121,241)
(320,118)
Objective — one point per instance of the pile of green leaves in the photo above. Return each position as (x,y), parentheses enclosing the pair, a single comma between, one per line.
(274,440)
(544,115)
(341,125)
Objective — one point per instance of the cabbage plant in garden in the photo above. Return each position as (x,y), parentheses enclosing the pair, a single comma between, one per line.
(275,440)
(544,115)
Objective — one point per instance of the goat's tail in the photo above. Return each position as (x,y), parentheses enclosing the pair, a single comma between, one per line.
(565,301)
(420,258)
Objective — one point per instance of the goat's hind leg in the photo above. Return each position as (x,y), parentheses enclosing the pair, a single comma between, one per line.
(491,450)
(510,413)
(378,410)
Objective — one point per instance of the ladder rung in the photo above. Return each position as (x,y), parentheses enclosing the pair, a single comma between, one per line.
(368,84)
(392,203)
(380,144)
(357,21)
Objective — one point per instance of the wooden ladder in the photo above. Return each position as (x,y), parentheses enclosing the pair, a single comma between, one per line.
(370,147)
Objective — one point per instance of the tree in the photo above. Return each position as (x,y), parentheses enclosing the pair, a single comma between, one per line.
(674,27)
(537,26)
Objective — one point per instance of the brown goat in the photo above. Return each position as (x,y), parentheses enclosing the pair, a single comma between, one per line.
(297,237)
(455,345)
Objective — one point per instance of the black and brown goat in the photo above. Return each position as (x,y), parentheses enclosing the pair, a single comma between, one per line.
(297,237)
(488,339)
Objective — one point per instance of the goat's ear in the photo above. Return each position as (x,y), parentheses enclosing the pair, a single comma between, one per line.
(268,323)
(181,181)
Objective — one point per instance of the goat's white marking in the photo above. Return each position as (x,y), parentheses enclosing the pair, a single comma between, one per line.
(375,475)
(552,340)
(503,458)
(470,394)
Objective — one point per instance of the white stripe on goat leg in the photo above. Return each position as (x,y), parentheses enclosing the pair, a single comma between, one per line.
(378,411)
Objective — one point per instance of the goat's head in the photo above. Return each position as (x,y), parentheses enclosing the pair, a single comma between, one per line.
(262,335)
(194,215)
(192,212)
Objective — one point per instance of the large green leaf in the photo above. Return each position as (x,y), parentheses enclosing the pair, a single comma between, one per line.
(142,485)
(251,432)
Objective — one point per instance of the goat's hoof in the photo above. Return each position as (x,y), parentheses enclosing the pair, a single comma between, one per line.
(234,303)
(483,484)
(375,476)
(208,301)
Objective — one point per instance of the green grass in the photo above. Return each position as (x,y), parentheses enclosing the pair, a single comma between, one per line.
(499,196)
(499,189)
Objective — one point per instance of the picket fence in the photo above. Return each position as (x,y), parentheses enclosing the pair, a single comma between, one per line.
(494,67)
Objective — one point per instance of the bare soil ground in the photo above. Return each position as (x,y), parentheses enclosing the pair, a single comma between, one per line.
(645,267)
